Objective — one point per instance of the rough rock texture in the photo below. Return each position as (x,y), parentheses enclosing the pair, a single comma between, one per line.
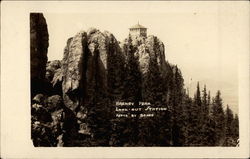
(147,48)
(72,69)
(52,123)
(85,62)
(54,102)
(41,131)
(94,60)
(91,72)
(38,51)
(149,52)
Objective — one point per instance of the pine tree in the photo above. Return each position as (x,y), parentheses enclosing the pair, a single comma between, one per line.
(126,129)
(208,98)
(196,119)
(169,89)
(177,108)
(115,77)
(98,110)
(229,118)
(219,119)
(197,97)
(235,126)
(133,75)
(187,126)
(205,102)
(154,131)
(209,103)
(204,123)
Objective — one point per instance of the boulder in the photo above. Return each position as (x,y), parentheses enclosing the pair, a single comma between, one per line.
(39,99)
(54,102)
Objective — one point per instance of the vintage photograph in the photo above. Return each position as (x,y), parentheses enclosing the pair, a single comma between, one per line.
(134,80)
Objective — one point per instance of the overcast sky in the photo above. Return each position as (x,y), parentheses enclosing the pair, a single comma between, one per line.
(204,39)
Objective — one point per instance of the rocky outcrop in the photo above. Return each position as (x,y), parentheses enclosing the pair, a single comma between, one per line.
(39,42)
(85,64)
(150,65)
(92,74)
(146,48)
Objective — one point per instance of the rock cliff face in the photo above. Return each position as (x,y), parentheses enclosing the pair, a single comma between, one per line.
(85,64)
(38,51)
(91,73)
(146,48)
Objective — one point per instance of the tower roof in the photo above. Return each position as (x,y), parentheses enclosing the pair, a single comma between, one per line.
(138,26)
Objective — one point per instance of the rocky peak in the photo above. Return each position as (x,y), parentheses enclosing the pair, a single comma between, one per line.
(146,48)
(86,63)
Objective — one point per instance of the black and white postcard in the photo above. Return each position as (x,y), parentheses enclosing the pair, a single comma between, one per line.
(125,79)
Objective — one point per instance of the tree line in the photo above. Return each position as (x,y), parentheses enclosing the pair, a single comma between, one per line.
(201,120)
(188,121)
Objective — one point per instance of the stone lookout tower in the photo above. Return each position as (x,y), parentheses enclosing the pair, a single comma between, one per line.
(138,30)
